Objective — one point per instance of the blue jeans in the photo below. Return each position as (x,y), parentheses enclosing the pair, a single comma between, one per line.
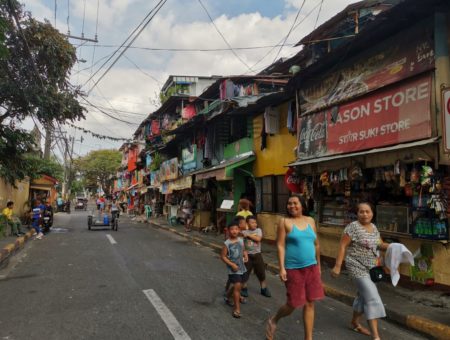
(35,225)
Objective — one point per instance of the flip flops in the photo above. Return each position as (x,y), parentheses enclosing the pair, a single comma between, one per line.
(236,314)
(360,329)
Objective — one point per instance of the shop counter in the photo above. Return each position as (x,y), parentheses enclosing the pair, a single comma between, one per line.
(222,217)
(202,219)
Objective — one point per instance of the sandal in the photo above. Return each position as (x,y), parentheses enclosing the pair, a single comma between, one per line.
(228,302)
(358,328)
(236,314)
(270,329)
(243,300)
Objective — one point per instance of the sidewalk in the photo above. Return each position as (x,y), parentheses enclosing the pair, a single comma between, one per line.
(10,245)
(425,311)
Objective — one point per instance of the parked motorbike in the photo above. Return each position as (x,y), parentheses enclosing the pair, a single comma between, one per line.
(47,219)
(67,207)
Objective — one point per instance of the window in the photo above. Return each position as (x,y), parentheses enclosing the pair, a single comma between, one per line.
(274,194)
(267,193)
(238,127)
(282,194)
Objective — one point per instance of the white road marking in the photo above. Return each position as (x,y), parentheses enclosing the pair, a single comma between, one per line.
(166,315)
(110,238)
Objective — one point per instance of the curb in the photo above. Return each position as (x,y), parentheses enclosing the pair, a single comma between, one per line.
(11,248)
(435,329)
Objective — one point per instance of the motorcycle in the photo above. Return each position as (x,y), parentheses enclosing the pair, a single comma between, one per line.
(47,218)
(67,207)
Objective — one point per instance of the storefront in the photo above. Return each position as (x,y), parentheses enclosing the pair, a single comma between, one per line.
(225,181)
(380,148)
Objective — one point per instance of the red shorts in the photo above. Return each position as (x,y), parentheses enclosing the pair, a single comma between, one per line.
(303,285)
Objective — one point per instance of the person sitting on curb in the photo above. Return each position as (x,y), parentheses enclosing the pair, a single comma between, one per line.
(11,220)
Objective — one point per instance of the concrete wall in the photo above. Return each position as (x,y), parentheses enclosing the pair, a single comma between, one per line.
(280,147)
(18,195)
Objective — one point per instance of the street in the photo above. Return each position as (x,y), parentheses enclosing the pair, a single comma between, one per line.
(141,283)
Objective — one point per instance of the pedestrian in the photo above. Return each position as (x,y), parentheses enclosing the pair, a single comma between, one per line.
(234,255)
(187,209)
(244,208)
(242,224)
(60,204)
(252,240)
(12,220)
(299,261)
(115,210)
(102,204)
(36,219)
(359,246)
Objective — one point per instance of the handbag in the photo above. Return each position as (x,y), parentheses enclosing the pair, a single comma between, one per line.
(377,274)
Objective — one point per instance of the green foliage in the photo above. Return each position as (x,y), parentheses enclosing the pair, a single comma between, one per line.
(77,186)
(39,167)
(156,162)
(14,144)
(99,167)
(35,64)
(173,90)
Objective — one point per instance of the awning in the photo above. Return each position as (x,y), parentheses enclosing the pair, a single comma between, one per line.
(366,152)
(222,171)
(41,187)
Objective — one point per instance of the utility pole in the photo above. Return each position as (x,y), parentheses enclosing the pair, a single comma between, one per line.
(48,141)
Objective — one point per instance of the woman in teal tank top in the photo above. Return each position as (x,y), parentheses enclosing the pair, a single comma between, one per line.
(299,261)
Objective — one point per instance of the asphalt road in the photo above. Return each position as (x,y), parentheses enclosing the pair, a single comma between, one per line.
(150,284)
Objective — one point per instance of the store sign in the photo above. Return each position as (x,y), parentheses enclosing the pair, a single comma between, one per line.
(169,170)
(154,178)
(293,182)
(189,157)
(402,56)
(387,117)
(446,117)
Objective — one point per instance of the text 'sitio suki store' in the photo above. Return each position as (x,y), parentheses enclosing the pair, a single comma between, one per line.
(380,149)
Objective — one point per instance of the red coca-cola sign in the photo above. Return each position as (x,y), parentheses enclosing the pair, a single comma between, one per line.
(293,182)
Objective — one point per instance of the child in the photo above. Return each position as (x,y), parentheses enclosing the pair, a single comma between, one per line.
(242,224)
(252,240)
(36,219)
(234,255)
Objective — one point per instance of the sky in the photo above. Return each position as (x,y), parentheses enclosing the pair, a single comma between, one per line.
(130,89)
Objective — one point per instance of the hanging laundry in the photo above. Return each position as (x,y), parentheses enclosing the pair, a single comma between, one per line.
(271,120)
(241,91)
(236,91)
(223,89)
(166,122)
(255,90)
(188,111)
(263,136)
(155,127)
(290,117)
(229,89)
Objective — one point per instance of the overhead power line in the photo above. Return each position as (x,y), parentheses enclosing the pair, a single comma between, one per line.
(108,114)
(139,30)
(168,49)
(318,14)
(290,30)
(142,71)
(295,27)
(223,38)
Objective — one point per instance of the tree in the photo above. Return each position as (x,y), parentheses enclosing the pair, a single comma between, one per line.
(50,167)
(99,167)
(35,64)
